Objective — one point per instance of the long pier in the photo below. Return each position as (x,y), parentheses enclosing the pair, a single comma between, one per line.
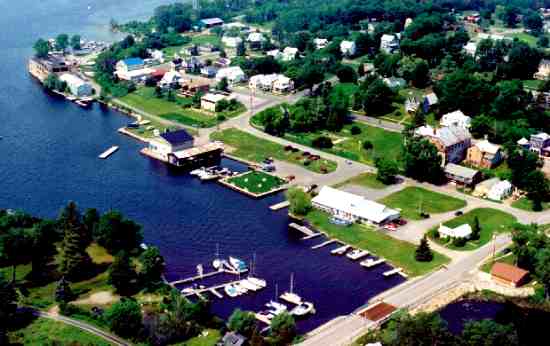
(108,152)
(198,292)
(199,277)
(312,236)
(330,241)
(302,229)
(281,205)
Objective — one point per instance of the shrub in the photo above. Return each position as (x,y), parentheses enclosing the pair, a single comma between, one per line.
(322,142)
(367,145)
(355,130)
(459,242)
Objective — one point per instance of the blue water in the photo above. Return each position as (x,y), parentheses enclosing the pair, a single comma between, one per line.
(49,151)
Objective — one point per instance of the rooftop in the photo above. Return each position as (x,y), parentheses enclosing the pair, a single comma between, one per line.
(508,272)
(487,147)
(212,21)
(177,137)
(133,61)
(460,171)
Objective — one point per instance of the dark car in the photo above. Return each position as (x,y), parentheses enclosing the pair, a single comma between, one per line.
(458,213)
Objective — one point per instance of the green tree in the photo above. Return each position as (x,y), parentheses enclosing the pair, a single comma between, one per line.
(63,291)
(423,252)
(41,48)
(300,202)
(311,75)
(387,170)
(43,238)
(283,328)
(122,275)
(346,74)
(75,42)
(415,70)
(62,42)
(75,261)
(223,85)
(241,49)
(14,248)
(422,160)
(116,233)
(8,301)
(378,98)
(542,269)
(476,229)
(90,221)
(537,189)
(420,329)
(242,322)
(488,332)
(125,318)
(152,266)
(533,21)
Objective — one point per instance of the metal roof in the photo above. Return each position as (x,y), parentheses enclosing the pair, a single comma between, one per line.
(177,137)
(460,171)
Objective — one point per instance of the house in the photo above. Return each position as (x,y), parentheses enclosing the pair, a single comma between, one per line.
(157,74)
(130,64)
(462,231)
(208,48)
(170,142)
(408,22)
(170,80)
(456,118)
(348,48)
(389,43)
(484,154)
(482,189)
(255,40)
(430,100)
(411,104)
(283,85)
(209,71)
(352,207)
(320,43)
(275,53)
(231,42)
(234,74)
(470,48)
(452,142)
(157,55)
(210,100)
(211,22)
(289,53)
(508,274)
(500,190)
(395,82)
(191,64)
(41,68)
(472,18)
(222,62)
(136,76)
(544,70)
(191,86)
(76,86)
(461,175)
(232,339)
(539,143)
(277,83)
(524,143)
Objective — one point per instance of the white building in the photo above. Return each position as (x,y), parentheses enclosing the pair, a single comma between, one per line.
(470,48)
(136,76)
(348,48)
(130,64)
(283,85)
(234,74)
(456,118)
(389,43)
(289,53)
(231,42)
(500,190)
(210,100)
(462,231)
(320,43)
(158,55)
(76,86)
(171,79)
(275,53)
(351,207)
(395,82)
(408,22)
(170,142)
(255,37)
(271,82)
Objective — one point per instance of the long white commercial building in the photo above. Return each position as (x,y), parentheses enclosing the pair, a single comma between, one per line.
(351,207)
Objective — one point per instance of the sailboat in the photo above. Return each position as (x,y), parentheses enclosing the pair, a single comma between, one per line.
(217,262)
(291,297)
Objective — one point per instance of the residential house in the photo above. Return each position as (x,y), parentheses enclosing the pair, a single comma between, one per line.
(191,64)
(348,48)
(395,82)
(389,43)
(544,70)
(231,42)
(157,55)
(136,76)
(191,86)
(524,143)
(484,154)
(368,68)
(208,48)
(77,86)
(408,22)
(456,118)
(452,142)
(461,175)
(209,71)
(283,85)
(255,40)
(232,339)
(222,62)
(289,53)
(211,22)
(169,142)
(320,43)
(473,18)
(347,206)
(509,275)
(500,190)
(539,143)
(411,104)
(130,64)
(170,80)
(430,101)
(462,231)
(234,74)
(470,48)
(210,100)
(275,53)
(482,189)
(276,83)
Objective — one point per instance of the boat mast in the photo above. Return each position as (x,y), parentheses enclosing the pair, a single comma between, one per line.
(291,282)
(276,292)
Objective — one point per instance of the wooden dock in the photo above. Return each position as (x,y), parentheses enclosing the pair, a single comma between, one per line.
(370,264)
(216,293)
(108,152)
(210,289)
(281,205)
(330,241)
(199,277)
(301,228)
(392,272)
(311,236)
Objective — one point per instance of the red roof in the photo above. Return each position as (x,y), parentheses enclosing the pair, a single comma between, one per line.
(508,272)
(159,73)
(378,311)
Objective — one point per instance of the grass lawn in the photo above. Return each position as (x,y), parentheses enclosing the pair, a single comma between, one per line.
(43,331)
(398,252)
(209,340)
(366,179)
(411,200)
(533,84)
(256,182)
(490,220)
(205,39)
(256,149)
(525,37)
(526,204)
(510,259)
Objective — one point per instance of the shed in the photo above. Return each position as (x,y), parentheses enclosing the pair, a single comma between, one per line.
(462,175)
(509,275)
(211,22)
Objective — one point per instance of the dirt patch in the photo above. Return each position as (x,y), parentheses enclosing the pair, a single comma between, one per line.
(99,298)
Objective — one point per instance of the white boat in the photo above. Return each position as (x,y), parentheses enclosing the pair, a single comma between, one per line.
(303,309)
(217,262)
(231,290)
(143,246)
(188,290)
(237,264)
(205,176)
(249,285)
(196,171)
(258,282)
(240,288)
(276,308)
(341,250)
(357,254)
(290,296)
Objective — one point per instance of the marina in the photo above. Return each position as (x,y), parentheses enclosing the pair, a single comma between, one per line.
(108,152)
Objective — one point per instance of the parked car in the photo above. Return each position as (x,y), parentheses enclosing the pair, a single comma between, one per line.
(459,212)
(425,215)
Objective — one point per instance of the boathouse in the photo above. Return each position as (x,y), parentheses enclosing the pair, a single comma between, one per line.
(352,207)
(170,142)
(509,275)
(77,86)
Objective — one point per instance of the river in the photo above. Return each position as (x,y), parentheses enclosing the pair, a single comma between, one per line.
(49,151)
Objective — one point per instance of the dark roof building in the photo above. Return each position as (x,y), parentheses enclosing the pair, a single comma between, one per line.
(508,274)
(176,138)
(210,22)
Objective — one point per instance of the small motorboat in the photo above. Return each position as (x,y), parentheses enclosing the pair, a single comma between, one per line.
(231,290)
(276,308)
(341,250)
(240,288)
(196,171)
(217,264)
(292,298)
(188,290)
(303,309)
(237,264)
(249,285)
(258,282)
(357,254)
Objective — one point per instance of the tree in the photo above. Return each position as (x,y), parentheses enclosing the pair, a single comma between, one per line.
(242,322)
(533,22)
(509,15)
(322,142)
(52,82)
(90,221)
(75,42)
(125,318)
(311,75)
(63,291)
(300,201)
(420,329)
(386,170)
(152,266)
(122,275)
(43,238)
(14,246)
(488,332)
(542,269)
(75,261)
(415,70)
(346,74)
(537,189)
(116,233)
(223,84)
(543,42)
(41,48)
(378,98)
(283,328)
(8,301)
(62,42)
(355,130)
(241,49)
(422,160)
(476,229)
(423,252)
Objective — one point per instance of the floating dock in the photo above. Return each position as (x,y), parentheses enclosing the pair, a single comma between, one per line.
(358,255)
(301,228)
(392,272)
(216,293)
(281,205)
(370,264)
(311,236)
(211,289)
(341,250)
(199,277)
(108,152)
(324,244)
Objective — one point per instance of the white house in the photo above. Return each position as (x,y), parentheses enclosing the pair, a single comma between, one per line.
(389,43)
(158,55)
(470,48)
(130,64)
(231,42)
(256,37)
(271,82)
(234,74)
(456,118)
(348,48)
(351,207)
(320,43)
(462,231)
(500,190)
(408,22)
(429,101)
(289,53)
(170,142)
(210,100)
(77,86)
(283,84)
(170,79)
(275,53)
(395,82)
(136,76)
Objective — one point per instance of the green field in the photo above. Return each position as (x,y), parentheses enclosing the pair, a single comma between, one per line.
(205,39)
(398,252)
(490,220)
(252,148)
(366,179)
(526,204)
(43,331)
(525,37)
(257,182)
(414,200)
